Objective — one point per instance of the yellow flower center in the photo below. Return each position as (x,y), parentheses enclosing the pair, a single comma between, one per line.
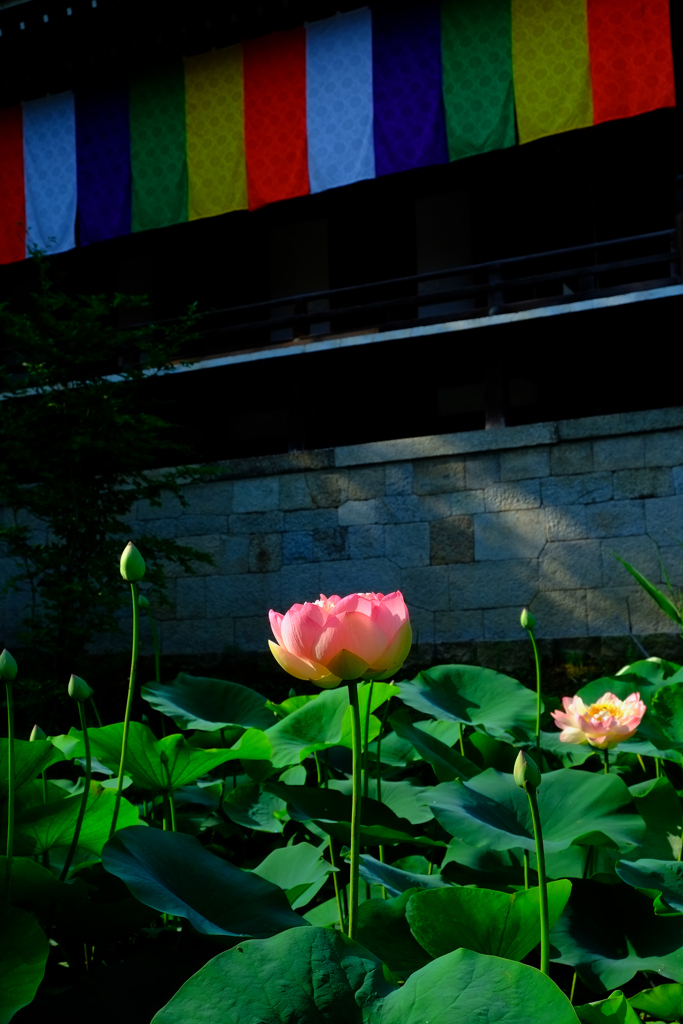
(601,711)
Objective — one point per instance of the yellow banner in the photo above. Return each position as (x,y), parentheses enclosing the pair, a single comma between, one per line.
(214,110)
(551,67)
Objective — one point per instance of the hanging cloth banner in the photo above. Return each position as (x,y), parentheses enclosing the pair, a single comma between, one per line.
(50,172)
(275,117)
(551,67)
(341,146)
(631,60)
(103,163)
(476,54)
(410,130)
(12,221)
(157,148)
(214,99)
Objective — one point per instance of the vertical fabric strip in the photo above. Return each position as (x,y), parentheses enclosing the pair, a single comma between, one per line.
(157,149)
(410,129)
(631,60)
(103,164)
(550,67)
(12,216)
(50,172)
(275,117)
(214,100)
(476,53)
(341,147)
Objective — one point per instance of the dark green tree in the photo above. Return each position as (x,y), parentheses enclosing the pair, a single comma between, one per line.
(78,447)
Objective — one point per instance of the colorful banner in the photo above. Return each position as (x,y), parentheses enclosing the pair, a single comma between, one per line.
(103,165)
(476,55)
(214,99)
(410,128)
(158,155)
(551,67)
(50,172)
(13,216)
(275,117)
(339,107)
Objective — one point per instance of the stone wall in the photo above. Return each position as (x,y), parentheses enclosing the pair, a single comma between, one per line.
(470,527)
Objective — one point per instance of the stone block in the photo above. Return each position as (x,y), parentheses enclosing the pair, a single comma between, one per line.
(506,496)
(672,559)
(168,507)
(260,494)
(609,612)
(437,506)
(481,471)
(640,552)
(619,453)
(209,545)
(328,490)
(213,498)
(399,478)
(234,554)
(438,476)
(664,449)
(360,576)
(294,492)
(616,518)
(584,489)
(450,627)
(252,632)
(647,617)
(502,624)
(265,552)
(493,584)
(243,594)
(566,522)
(366,541)
(164,529)
(366,482)
(407,544)
(259,522)
(297,547)
(422,625)
(426,587)
(307,521)
(451,540)
(358,513)
(571,458)
(509,535)
(163,612)
(621,423)
(197,636)
(664,519)
(467,502)
(560,613)
(570,565)
(298,584)
(195,526)
(399,508)
(524,464)
(330,545)
(643,483)
(190,598)
(677,475)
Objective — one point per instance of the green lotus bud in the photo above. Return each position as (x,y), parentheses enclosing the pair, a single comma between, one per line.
(8,667)
(527,620)
(143,602)
(132,563)
(79,689)
(526,773)
(37,734)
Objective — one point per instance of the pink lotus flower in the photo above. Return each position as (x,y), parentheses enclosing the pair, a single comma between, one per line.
(362,636)
(603,724)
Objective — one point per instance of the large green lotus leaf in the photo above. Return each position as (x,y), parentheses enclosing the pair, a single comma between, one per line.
(394,879)
(43,826)
(488,752)
(483,920)
(173,873)
(613,1010)
(375,694)
(394,751)
(300,870)
(314,726)
(607,934)
(492,869)
(664,878)
(23,955)
(382,927)
(663,1001)
(653,670)
(466,987)
(570,754)
(405,798)
(658,803)
(292,704)
(667,711)
(30,759)
(476,696)
(250,806)
(195,702)
(575,807)
(447,764)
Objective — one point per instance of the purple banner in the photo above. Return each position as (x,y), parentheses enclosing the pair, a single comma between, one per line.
(103,164)
(410,127)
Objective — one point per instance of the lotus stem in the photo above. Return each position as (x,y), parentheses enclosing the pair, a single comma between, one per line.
(606,753)
(526,869)
(11,780)
(542,881)
(97,714)
(460,738)
(571,994)
(171,801)
(86,794)
(538,696)
(356,807)
(366,743)
(129,704)
(337,891)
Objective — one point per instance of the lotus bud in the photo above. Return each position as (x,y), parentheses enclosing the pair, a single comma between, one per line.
(37,734)
(526,773)
(8,667)
(79,689)
(132,563)
(143,602)
(527,620)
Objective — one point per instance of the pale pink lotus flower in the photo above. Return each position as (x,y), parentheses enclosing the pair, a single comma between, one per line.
(361,636)
(603,724)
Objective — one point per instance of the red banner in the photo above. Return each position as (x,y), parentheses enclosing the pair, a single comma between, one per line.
(12,215)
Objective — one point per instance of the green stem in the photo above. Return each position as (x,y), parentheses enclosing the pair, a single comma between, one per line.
(42,775)
(378,762)
(157,661)
(571,994)
(171,801)
(356,809)
(381,860)
(97,714)
(84,798)
(318,774)
(538,698)
(542,882)
(526,869)
(366,743)
(129,704)
(606,753)
(11,771)
(658,768)
(337,893)
(460,737)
